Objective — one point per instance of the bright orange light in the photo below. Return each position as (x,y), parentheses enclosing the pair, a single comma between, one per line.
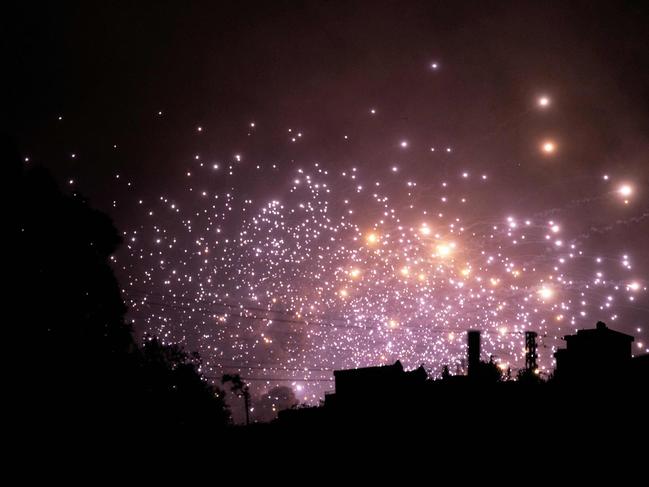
(372,238)
(549,147)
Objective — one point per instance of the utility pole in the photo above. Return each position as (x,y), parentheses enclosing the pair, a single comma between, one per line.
(246,401)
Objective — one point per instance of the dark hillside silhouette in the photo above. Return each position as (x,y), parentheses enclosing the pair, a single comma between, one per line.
(92,376)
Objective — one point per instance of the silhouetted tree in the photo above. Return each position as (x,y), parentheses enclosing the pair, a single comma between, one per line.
(445,373)
(488,372)
(526,376)
(241,389)
(270,403)
(174,390)
(71,318)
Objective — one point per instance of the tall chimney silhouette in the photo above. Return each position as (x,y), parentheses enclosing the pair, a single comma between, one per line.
(530,351)
(473,342)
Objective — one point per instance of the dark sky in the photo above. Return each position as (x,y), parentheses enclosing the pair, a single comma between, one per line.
(107,68)
(145,76)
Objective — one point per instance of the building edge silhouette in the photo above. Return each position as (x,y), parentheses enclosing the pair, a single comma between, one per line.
(595,382)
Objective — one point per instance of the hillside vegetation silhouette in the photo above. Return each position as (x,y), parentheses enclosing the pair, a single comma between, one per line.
(82,368)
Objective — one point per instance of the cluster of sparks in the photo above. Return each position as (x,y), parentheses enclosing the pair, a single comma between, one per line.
(345,267)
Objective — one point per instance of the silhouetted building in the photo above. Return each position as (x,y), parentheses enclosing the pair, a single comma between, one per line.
(479,400)
(594,355)
(640,369)
(369,384)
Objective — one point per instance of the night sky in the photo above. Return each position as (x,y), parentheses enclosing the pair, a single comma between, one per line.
(308,186)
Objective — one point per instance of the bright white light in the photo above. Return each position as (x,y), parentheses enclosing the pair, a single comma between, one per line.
(625,190)
(444,250)
(549,147)
(546,293)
